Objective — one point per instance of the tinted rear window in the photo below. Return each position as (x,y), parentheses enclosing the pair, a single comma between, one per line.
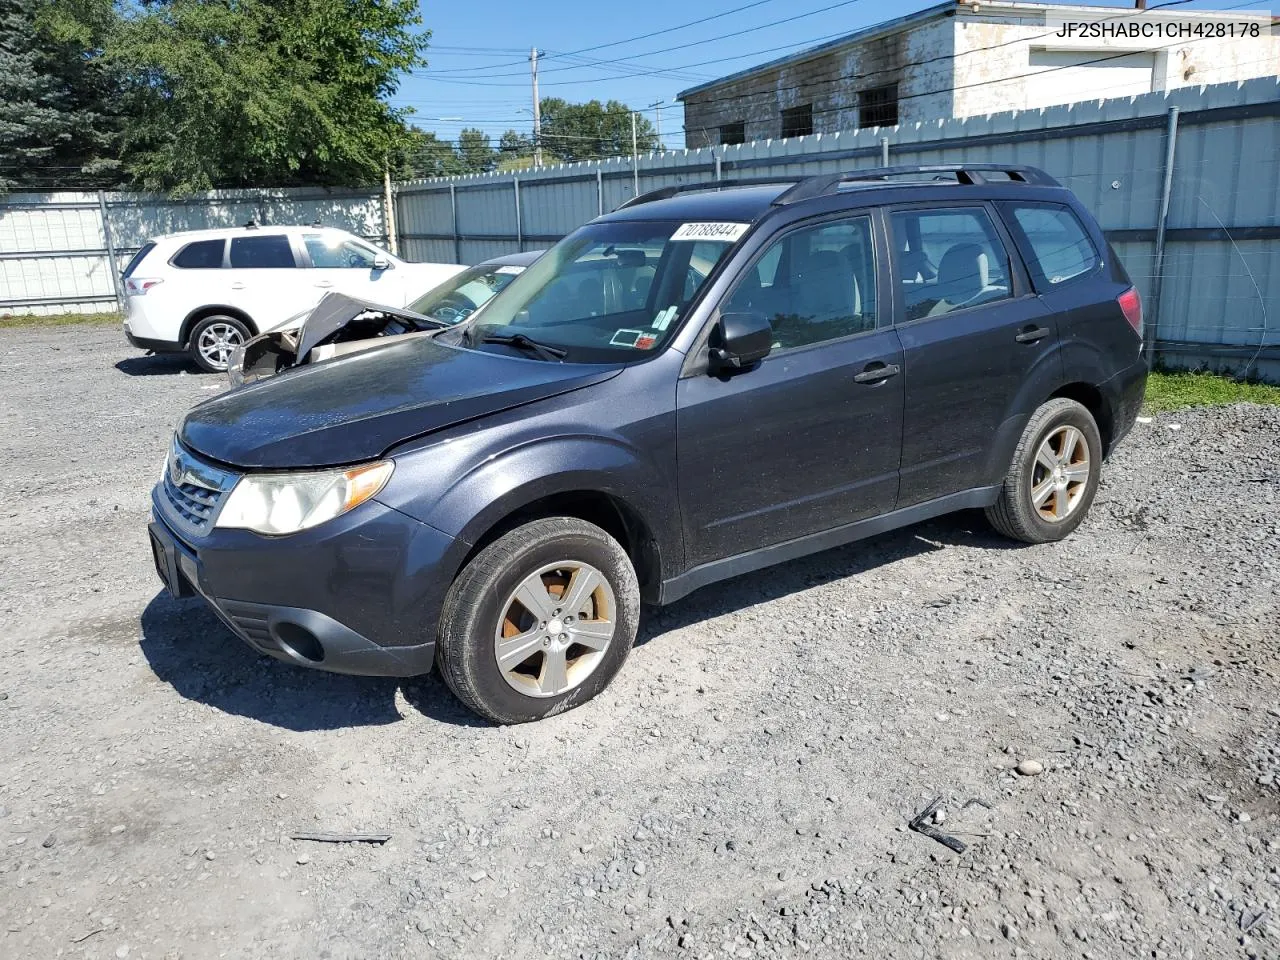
(261,252)
(201,255)
(1060,247)
(138,258)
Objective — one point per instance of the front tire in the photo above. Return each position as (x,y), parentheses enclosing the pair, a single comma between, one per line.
(539,621)
(1053,477)
(214,338)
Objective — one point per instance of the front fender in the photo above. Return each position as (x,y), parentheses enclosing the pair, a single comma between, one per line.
(465,493)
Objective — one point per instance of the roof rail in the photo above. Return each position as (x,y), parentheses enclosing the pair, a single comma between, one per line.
(965,173)
(665,193)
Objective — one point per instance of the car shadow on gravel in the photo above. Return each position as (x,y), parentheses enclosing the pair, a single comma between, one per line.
(159,365)
(966,528)
(190,649)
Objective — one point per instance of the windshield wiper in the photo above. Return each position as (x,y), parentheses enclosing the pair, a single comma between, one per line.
(528,345)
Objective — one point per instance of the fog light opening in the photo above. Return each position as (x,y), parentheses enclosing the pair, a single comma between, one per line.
(299,641)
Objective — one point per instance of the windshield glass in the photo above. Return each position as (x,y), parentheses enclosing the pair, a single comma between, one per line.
(610,291)
(465,293)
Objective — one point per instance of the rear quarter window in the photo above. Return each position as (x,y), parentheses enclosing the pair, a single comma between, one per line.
(1059,246)
(271,251)
(138,258)
(201,255)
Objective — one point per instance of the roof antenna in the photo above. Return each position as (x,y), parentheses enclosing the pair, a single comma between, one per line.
(251,224)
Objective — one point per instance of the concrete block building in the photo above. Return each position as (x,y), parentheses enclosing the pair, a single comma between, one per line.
(960,59)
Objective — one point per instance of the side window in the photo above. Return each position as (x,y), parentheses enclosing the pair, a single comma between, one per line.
(261,252)
(1060,247)
(201,255)
(948,260)
(814,284)
(329,251)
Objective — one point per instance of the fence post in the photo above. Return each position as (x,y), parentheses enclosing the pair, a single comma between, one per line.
(1166,193)
(112,263)
(719,168)
(599,190)
(884,151)
(389,210)
(515,182)
(457,240)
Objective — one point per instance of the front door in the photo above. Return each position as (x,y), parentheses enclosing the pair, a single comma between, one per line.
(809,439)
(971,330)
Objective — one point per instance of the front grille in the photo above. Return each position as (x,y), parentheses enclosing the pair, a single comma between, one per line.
(195,489)
(194,503)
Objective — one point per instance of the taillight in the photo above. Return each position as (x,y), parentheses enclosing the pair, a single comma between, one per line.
(1131,305)
(137,286)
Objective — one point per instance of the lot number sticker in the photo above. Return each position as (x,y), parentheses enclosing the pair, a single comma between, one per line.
(726,232)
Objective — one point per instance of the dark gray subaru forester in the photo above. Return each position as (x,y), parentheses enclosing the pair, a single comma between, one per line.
(711,379)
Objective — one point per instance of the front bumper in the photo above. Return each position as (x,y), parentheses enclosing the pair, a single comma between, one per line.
(358,595)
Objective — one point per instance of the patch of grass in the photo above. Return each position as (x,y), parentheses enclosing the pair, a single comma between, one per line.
(1170,390)
(58,319)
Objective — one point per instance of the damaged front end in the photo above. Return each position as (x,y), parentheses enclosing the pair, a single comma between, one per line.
(339,325)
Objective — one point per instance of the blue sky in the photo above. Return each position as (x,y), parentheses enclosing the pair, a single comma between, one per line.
(478,72)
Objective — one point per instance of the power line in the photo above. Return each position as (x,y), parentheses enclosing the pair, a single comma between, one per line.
(694,43)
(645,36)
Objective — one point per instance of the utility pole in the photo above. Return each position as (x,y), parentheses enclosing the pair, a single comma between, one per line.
(635,157)
(657,110)
(537,110)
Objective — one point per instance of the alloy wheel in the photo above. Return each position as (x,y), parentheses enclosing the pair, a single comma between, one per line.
(216,343)
(1061,475)
(555,628)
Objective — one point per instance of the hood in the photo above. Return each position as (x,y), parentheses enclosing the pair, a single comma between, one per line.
(290,343)
(357,407)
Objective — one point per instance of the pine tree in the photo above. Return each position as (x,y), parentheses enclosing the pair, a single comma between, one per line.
(55,132)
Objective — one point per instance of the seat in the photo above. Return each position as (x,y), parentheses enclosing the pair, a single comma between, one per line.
(963,278)
(824,301)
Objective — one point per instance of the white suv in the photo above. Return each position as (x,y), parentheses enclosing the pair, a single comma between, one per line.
(209,291)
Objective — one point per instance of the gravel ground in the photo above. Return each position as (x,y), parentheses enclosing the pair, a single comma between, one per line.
(742,789)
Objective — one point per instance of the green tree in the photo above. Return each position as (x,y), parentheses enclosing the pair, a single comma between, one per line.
(587,131)
(475,151)
(56,128)
(423,154)
(263,92)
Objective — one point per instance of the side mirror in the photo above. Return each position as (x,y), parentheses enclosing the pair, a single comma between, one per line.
(381,262)
(740,340)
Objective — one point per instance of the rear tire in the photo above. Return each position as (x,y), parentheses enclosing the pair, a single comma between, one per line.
(539,621)
(1053,477)
(213,339)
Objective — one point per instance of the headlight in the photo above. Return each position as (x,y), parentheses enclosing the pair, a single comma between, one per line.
(279,503)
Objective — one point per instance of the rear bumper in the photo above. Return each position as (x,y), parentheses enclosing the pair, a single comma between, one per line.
(1125,393)
(155,346)
(334,601)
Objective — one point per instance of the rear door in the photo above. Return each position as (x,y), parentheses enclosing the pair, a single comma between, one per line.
(263,278)
(809,439)
(972,332)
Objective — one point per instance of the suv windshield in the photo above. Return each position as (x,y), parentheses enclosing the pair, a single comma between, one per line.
(459,297)
(608,292)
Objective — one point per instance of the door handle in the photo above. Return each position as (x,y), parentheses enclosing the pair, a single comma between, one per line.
(876,372)
(324,283)
(237,286)
(1032,334)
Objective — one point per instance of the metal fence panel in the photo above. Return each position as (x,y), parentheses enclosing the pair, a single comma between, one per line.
(1222,260)
(53,247)
(1221,285)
